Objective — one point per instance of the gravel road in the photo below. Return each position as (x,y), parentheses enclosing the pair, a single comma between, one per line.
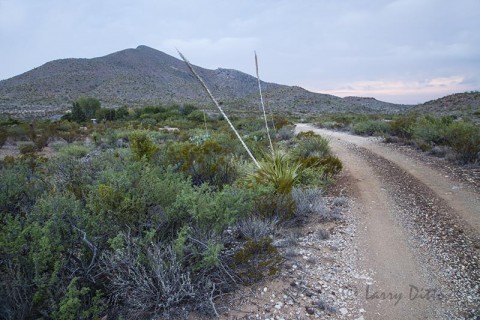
(417,232)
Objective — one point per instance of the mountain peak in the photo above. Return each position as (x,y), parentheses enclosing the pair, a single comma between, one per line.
(145,48)
(143,75)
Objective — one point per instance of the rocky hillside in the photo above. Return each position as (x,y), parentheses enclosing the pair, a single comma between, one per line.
(460,104)
(136,77)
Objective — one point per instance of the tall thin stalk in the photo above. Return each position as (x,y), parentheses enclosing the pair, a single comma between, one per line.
(263,105)
(218,107)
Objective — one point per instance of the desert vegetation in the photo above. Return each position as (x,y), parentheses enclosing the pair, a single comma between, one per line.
(155,211)
(456,138)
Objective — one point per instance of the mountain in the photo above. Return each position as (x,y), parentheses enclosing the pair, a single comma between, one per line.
(141,76)
(459,104)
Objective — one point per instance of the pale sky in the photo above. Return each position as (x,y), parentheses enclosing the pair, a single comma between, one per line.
(404,51)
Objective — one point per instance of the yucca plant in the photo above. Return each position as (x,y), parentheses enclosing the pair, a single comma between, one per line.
(278,169)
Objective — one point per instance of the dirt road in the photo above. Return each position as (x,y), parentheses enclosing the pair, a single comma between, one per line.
(418,232)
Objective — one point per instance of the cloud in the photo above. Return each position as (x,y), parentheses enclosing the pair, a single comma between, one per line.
(403,91)
(226,52)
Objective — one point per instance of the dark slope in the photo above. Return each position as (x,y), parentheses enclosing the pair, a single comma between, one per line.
(136,77)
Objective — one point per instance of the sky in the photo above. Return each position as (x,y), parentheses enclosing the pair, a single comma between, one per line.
(402,51)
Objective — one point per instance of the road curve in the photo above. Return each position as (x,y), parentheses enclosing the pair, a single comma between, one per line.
(419,232)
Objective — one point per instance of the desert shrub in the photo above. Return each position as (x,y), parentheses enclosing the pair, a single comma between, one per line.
(330,125)
(256,260)
(340,201)
(370,127)
(285,133)
(20,184)
(73,174)
(308,202)
(333,214)
(255,228)
(328,165)
(43,250)
(310,144)
(208,162)
(314,177)
(69,131)
(78,303)
(26,147)
(148,278)
(211,210)
(74,150)
(431,130)
(280,121)
(274,206)
(142,146)
(17,132)
(147,283)
(3,136)
(197,116)
(464,138)
(402,126)
(146,121)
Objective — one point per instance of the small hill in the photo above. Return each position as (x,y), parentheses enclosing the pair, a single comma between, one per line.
(142,76)
(460,104)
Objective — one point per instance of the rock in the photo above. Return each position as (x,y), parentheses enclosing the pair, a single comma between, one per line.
(344,311)
(309,310)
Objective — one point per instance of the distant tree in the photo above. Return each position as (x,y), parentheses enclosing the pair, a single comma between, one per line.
(122,112)
(84,109)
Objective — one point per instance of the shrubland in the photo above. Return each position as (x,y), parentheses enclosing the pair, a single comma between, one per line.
(440,135)
(153,213)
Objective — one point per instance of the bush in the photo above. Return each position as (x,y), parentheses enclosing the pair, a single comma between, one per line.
(147,283)
(3,136)
(256,260)
(431,130)
(142,146)
(464,138)
(205,162)
(27,147)
(402,126)
(308,202)
(74,151)
(255,228)
(310,144)
(370,128)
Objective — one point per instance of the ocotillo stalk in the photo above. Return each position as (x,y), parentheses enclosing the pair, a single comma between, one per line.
(218,107)
(263,105)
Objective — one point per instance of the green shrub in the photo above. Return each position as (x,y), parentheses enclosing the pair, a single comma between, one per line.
(3,136)
(432,130)
(402,126)
(26,147)
(142,146)
(464,138)
(208,162)
(370,127)
(211,210)
(74,150)
(329,165)
(256,260)
(310,144)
